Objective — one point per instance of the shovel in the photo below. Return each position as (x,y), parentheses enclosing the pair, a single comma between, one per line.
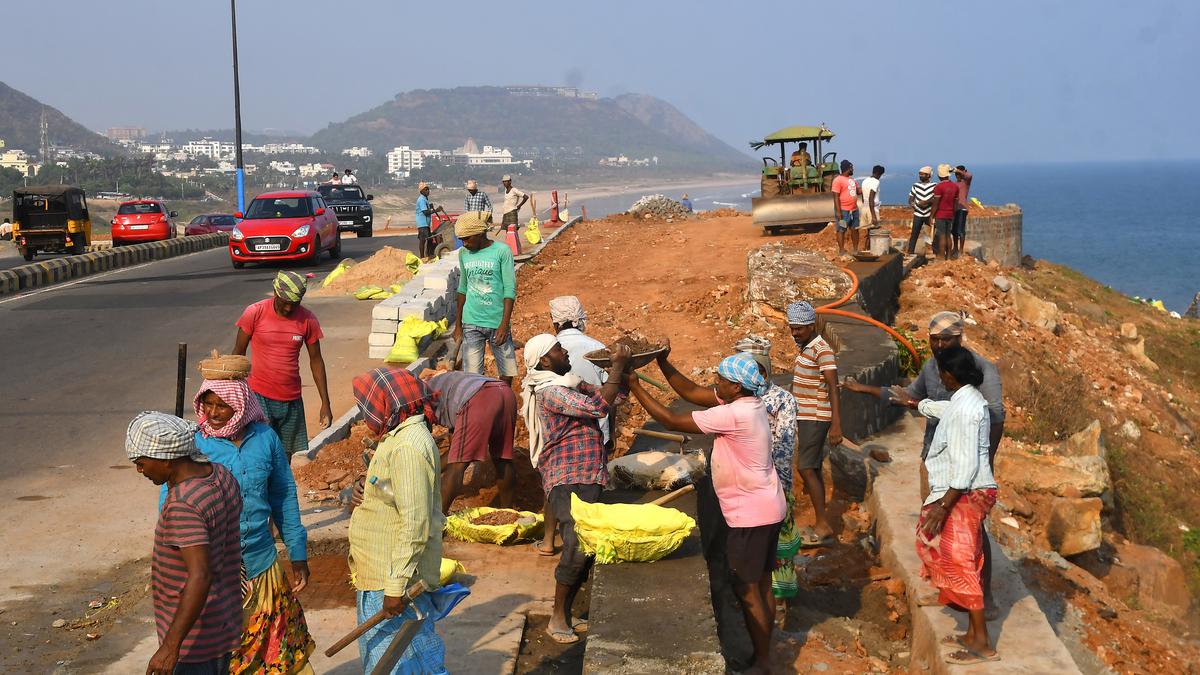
(377,618)
(403,639)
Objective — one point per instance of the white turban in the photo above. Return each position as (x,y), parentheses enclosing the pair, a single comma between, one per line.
(535,381)
(567,308)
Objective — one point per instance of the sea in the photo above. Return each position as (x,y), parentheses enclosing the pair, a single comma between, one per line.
(1133,226)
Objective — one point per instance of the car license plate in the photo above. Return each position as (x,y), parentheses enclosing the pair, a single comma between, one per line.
(139,227)
(267,247)
(345,222)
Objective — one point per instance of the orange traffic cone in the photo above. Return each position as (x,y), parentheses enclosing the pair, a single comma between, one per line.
(513,241)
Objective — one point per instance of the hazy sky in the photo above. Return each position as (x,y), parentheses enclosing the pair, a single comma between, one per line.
(897,81)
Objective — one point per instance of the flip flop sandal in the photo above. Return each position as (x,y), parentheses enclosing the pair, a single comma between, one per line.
(953,641)
(969,657)
(562,637)
(812,540)
(537,546)
(580,626)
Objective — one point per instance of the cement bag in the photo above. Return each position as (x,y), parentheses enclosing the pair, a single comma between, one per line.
(533,231)
(629,532)
(337,271)
(412,262)
(381,295)
(657,469)
(527,528)
(409,334)
(366,292)
(448,570)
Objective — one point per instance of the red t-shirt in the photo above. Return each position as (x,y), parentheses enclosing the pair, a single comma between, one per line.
(201,512)
(948,191)
(275,344)
(847,191)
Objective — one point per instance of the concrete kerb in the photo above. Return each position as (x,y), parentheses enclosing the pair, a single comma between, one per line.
(55,270)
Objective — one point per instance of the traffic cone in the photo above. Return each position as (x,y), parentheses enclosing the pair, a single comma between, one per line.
(513,241)
(554,219)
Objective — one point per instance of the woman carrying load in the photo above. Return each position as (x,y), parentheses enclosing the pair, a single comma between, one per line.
(235,434)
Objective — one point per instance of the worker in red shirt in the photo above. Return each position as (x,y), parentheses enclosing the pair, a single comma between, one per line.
(945,201)
(845,204)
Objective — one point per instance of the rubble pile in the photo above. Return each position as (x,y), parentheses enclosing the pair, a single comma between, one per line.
(658,206)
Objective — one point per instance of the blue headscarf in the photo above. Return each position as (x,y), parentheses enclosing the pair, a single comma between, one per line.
(743,369)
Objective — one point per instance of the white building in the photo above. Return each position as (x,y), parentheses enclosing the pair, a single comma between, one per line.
(207,147)
(15,159)
(489,156)
(317,170)
(357,152)
(282,149)
(286,168)
(403,159)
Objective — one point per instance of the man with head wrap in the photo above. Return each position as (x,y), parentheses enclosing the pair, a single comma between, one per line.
(562,414)
(743,477)
(815,386)
(946,331)
(199,611)
(275,329)
(477,201)
(487,289)
(396,533)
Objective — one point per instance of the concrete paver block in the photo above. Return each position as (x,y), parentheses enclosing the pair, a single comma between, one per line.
(377,352)
(384,326)
(381,339)
(385,312)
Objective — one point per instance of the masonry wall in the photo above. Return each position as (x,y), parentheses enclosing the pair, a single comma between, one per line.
(999,234)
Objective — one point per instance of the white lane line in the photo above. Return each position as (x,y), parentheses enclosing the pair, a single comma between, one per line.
(65,284)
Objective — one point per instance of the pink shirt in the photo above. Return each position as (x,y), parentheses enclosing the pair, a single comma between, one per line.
(847,191)
(743,475)
(275,344)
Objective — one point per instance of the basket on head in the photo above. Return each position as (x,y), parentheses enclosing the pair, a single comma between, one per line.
(225,367)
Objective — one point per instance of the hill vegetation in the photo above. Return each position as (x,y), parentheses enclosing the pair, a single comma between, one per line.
(20,126)
(584,129)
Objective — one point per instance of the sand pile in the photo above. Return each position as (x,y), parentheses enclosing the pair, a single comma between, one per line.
(383,269)
(336,465)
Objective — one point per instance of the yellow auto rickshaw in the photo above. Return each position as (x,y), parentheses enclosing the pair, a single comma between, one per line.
(51,218)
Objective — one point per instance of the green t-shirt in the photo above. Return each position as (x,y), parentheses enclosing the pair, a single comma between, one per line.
(487,277)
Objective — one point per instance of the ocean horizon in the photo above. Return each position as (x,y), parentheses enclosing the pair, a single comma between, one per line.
(1133,226)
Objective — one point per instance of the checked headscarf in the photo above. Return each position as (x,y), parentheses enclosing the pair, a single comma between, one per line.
(388,396)
(743,369)
(237,395)
(161,436)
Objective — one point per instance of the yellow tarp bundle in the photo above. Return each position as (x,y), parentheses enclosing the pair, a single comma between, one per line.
(412,262)
(450,567)
(629,532)
(459,526)
(533,231)
(368,292)
(337,272)
(408,336)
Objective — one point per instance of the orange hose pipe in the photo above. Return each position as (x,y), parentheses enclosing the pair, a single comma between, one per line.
(845,298)
(840,312)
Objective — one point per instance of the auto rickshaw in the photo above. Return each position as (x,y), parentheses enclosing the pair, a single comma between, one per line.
(51,218)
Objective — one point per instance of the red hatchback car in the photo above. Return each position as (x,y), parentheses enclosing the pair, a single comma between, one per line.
(142,220)
(293,225)
(210,223)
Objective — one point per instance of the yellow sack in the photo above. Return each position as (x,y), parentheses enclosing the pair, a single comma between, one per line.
(396,288)
(533,231)
(408,336)
(412,262)
(337,272)
(459,526)
(382,294)
(976,202)
(564,215)
(629,532)
(1158,304)
(366,292)
(449,569)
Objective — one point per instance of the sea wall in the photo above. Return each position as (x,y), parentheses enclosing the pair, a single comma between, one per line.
(996,228)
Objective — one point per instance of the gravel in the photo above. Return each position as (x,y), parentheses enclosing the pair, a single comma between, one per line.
(658,206)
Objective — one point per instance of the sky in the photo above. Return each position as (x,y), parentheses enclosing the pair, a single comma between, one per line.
(901,82)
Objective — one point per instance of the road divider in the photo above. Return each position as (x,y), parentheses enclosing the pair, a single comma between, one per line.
(56,270)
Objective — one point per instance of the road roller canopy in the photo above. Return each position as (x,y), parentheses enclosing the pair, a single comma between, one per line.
(794,134)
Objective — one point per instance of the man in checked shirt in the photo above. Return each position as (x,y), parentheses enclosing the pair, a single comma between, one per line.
(476,200)
(563,416)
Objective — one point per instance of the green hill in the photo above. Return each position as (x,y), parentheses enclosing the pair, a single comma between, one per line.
(20,126)
(634,125)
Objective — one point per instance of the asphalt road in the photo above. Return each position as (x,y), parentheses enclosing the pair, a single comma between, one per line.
(81,358)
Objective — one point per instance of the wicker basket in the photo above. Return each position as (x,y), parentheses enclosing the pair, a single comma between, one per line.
(225,367)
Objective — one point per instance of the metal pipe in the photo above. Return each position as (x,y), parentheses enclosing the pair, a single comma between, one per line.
(237,114)
(181,379)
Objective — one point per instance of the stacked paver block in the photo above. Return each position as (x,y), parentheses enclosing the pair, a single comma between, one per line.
(429,295)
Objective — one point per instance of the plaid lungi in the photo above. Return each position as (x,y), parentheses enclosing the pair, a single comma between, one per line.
(287,419)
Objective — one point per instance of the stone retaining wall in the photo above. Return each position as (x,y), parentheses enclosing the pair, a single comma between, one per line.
(54,270)
(1000,235)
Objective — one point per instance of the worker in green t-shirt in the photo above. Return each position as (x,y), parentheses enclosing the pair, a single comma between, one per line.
(487,288)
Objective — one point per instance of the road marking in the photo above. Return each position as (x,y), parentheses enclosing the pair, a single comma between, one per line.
(55,287)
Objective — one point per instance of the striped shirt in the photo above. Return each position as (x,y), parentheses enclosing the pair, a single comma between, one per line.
(808,381)
(958,455)
(396,539)
(201,511)
(922,192)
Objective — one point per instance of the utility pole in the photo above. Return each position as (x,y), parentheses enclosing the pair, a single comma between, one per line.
(237,115)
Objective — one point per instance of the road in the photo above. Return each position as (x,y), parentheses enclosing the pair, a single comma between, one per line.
(81,358)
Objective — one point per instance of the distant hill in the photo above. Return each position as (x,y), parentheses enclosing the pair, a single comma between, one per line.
(20,126)
(634,125)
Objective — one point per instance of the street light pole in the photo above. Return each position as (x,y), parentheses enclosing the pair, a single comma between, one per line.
(237,115)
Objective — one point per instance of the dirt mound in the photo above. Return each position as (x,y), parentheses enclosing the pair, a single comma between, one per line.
(383,269)
(336,465)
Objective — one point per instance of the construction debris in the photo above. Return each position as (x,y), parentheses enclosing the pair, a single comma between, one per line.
(658,206)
